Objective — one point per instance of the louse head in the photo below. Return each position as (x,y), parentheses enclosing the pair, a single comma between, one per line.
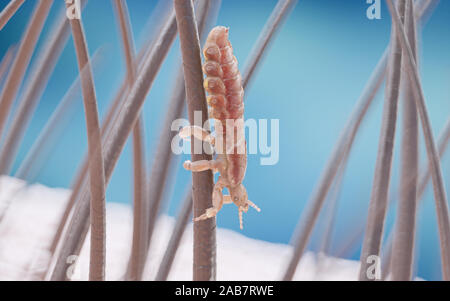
(240,199)
(239,196)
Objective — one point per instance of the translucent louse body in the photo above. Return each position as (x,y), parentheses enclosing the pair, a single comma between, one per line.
(226,107)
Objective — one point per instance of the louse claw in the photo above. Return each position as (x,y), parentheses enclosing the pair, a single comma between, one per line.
(210,213)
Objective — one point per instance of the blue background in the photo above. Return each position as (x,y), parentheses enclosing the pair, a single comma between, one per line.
(310,80)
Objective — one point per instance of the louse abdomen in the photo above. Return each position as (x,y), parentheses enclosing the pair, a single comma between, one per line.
(226,97)
(223,79)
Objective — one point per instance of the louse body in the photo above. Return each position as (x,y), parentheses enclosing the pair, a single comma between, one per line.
(226,97)
(226,101)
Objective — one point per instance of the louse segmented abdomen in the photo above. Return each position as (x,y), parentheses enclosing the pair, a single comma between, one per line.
(223,79)
(226,95)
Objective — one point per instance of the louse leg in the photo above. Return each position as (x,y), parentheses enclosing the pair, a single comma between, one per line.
(210,212)
(227,199)
(202,135)
(203,165)
(197,132)
(217,202)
